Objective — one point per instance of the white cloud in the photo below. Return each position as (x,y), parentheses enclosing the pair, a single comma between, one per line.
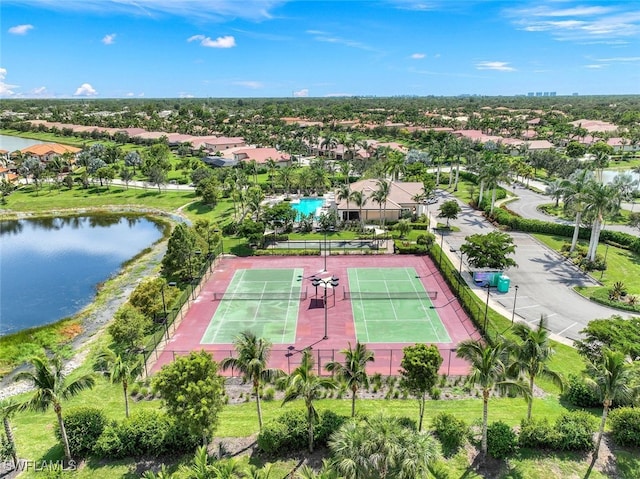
(499,66)
(21,29)
(130,94)
(595,66)
(40,91)
(327,38)
(109,39)
(418,56)
(620,59)
(301,93)
(254,85)
(85,90)
(591,24)
(185,95)
(218,10)
(5,88)
(221,42)
(338,94)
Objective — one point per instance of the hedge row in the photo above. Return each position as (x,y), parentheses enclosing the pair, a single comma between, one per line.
(507,218)
(145,433)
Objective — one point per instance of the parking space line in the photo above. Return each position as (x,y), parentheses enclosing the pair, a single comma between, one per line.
(565,329)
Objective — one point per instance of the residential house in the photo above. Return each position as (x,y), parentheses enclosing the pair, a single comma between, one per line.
(47,151)
(262,155)
(400,201)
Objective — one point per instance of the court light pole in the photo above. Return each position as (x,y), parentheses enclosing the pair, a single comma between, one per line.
(191,277)
(333,282)
(164,307)
(515,297)
(441,244)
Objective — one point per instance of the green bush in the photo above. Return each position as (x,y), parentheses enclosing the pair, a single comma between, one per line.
(450,431)
(145,433)
(502,441)
(575,431)
(625,426)
(269,394)
(408,248)
(578,393)
(537,434)
(288,432)
(84,425)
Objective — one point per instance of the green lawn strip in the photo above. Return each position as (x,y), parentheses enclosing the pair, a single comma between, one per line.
(27,200)
(622,265)
(621,218)
(535,464)
(628,463)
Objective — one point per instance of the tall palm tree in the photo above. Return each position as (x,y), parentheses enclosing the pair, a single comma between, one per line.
(303,383)
(574,197)
(8,408)
(354,369)
(252,360)
(380,196)
(611,378)
(119,368)
(555,190)
(344,193)
(601,200)
(489,371)
(359,199)
(51,388)
(531,356)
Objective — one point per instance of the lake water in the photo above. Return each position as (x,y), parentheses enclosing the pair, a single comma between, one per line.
(49,268)
(608,175)
(13,143)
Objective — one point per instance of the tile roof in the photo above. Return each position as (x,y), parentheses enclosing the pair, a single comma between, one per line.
(43,149)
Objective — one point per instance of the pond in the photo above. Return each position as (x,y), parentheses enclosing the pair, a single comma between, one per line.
(13,143)
(50,267)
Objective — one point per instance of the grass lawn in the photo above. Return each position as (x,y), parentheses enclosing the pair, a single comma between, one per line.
(622,265)
(26,199)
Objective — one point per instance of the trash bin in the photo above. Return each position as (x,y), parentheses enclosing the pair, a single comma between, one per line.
(503,283)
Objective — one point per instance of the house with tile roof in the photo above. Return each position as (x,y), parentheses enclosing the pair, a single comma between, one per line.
(399,201)
(262,155)
(47,151)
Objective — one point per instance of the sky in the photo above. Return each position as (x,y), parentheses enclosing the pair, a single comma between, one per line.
(309,48)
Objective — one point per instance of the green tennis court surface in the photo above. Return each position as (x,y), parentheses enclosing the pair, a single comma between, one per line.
(264,301)
(393,319)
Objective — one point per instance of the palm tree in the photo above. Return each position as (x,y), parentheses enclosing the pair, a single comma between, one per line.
(252,360)
(489,371)
(303,383)
(380,196)
(51,388)
(119,368)
(555,190)
(354,370)
(359,198)
(344,193)
(532,355)
(8,407)
(574,198)
(600,200)
(382,447)
(610,376)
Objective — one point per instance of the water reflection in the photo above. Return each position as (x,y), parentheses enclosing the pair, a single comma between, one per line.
(49,267)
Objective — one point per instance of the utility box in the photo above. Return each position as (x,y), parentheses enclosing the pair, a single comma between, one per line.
(503,283)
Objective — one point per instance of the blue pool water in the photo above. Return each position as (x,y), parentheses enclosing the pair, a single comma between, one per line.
(307,205)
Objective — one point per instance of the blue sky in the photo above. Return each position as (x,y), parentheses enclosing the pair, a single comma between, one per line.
(285,48)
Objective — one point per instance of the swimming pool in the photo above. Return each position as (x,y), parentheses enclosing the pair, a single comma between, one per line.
(306,205)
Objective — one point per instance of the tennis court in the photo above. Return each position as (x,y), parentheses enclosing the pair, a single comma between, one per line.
(264,301)
(391,305)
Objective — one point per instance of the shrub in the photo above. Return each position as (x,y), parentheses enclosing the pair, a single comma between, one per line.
(625,426)
(288,432)
(537,434)
(502,441)
(450,431)
(435,393)
(578,393)
(269,394)
(145,433)
(84,425)
(575,431)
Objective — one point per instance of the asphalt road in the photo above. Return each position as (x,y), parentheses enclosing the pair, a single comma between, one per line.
(544,278)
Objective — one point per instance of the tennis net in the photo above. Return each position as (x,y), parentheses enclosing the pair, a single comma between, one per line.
(287,296)
(366,295)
